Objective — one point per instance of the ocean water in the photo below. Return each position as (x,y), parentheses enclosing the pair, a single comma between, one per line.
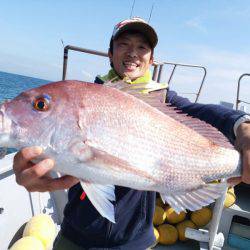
(12,84)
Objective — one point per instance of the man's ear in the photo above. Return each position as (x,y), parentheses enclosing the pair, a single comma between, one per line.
(151,60)
(110,55)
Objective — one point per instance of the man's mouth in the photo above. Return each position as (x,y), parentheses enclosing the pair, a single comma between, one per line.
(130,65)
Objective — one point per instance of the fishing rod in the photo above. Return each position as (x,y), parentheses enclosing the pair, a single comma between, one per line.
(152,7)
(132,9)
(151,11)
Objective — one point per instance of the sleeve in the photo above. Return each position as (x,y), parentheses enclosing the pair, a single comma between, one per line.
(218,116)
(98,80)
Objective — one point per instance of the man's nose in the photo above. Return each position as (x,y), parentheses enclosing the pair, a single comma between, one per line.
(132,52)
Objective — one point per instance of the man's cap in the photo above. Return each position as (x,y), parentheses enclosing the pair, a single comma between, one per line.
(136,24)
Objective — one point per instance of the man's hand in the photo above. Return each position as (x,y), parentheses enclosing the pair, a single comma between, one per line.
(35,177)
(243,145)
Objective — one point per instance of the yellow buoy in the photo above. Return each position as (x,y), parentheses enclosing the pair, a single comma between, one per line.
(159,202)
(28,243)
(156,233)
(168,234)
(201,217)
(43,228)
(181,227)
(159,216)
(172,217)
(230,198)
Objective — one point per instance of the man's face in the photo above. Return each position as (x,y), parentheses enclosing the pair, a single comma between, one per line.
(132,55)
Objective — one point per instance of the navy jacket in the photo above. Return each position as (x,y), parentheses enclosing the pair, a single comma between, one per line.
(134,209)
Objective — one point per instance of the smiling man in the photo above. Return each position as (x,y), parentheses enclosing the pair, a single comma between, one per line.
(131,55)
(131,52)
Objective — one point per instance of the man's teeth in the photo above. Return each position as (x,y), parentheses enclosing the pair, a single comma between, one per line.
(130,64)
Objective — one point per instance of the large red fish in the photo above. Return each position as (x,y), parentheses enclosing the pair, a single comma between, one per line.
(106,137)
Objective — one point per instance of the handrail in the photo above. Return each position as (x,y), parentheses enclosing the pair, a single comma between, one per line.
(74,48)
(184,65)
(93,52)
(238,101)
(6,164)
(157,71)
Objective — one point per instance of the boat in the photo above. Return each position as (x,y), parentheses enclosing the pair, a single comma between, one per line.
(229,228)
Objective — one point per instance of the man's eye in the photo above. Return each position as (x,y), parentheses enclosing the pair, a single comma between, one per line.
(123,44)
(144,47)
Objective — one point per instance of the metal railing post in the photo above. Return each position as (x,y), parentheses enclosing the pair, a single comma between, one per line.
(159,73)
(238,101)
(202,82)
(75,48)
(65,62)
(171,75)
(191,66)
(155,72)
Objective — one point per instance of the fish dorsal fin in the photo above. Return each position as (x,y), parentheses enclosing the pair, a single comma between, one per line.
(201,127)
(156,99)
(197,198)
(101,197)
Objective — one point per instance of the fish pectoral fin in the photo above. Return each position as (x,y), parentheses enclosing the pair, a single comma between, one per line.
(197,198)
(80,150)
(101,197)
(90,154)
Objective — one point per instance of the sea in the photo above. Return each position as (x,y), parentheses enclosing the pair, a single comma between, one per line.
(13,84)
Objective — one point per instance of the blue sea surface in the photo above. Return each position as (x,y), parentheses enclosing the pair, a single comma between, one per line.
(12,84)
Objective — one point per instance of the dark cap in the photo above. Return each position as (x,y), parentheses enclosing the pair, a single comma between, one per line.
(136,24)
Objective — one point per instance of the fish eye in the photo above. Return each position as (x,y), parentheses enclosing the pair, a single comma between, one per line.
(41,103)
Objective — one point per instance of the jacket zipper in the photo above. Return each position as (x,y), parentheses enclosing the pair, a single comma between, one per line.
(110,226)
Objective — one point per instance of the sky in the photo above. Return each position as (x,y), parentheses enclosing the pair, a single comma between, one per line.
(213,34)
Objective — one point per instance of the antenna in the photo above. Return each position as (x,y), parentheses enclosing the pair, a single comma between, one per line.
(132,9)
(62,42)
(151,12)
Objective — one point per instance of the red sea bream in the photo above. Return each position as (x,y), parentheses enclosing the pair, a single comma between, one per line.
(106,137)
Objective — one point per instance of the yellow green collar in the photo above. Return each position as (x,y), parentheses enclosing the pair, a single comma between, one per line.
(112,76)
(144,84)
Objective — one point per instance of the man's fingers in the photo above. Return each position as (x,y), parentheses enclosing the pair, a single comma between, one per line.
(35,177)
(32,174)
(24,156)
(48,184)
(243,146)
(63,182)
(234,181)
(245,169)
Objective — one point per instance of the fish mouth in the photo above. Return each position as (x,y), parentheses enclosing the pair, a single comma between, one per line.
(5,128)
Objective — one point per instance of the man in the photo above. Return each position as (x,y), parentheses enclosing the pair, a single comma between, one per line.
(131,54)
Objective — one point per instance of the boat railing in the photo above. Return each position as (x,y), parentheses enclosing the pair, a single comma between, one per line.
(79,49)
(157,66)
(238,101)
(157,73)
